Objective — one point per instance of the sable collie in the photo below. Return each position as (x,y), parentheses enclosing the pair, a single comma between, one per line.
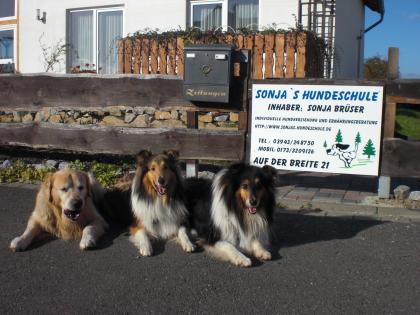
(157,200)
(65,208)
(235,211)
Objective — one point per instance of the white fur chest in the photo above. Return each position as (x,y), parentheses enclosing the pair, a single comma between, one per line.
(160,220)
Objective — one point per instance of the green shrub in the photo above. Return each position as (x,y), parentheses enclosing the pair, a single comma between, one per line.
(106,174)
(22,173)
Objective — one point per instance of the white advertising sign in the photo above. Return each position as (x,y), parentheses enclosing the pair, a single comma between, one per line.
(317,128)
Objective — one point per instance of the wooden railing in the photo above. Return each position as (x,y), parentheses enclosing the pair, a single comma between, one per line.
(34,92)
(23,93)
(274,55)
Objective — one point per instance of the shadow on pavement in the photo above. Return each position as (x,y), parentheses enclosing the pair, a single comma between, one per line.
(296,229)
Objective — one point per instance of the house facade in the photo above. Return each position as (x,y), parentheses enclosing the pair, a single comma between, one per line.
(91,28)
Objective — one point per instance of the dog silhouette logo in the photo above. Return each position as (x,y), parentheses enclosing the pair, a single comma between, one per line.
(343,152)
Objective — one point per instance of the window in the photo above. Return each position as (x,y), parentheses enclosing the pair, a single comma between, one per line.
(7,48)
(7,9)
(229,14)
(243,14)
(93,38)
(206,16)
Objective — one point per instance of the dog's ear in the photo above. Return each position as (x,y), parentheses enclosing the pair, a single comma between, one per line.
(269,172)
(142,158)
(172,154)
(236,168)
(47,186)
(88,184)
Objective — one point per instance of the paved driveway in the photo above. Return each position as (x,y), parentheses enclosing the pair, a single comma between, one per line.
(321,266)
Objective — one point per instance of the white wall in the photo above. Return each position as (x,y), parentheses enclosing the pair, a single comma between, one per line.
(139,14)
(350,20)
(171,14)
(279,12)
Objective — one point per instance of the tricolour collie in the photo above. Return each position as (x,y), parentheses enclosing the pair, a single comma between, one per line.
(157,200)
(234,212)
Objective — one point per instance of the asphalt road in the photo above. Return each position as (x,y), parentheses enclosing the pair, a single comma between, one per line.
(321,266)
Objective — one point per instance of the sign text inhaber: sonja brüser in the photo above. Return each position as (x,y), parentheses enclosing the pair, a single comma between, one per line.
(317,128)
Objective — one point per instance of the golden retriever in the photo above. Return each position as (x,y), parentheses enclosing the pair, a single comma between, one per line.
(65,208)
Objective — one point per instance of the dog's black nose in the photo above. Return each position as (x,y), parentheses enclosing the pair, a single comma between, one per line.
(78,204)
(328,150)
(161,180)
(253,202)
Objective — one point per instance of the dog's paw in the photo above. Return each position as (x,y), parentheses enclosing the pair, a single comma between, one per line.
(18,244)
(188,247)
(145,250)
(87,243)
(242,261)
(263,255)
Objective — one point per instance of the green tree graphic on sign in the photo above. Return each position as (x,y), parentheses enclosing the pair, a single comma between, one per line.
(339,137)
(358,140)
(325,144)
(369,149)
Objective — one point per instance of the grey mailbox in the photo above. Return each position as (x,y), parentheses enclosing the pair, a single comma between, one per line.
(208,72)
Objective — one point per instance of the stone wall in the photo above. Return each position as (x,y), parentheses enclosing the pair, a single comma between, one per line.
(121,116)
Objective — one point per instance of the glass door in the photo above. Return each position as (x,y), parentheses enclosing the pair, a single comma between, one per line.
(93,38)
(110,30)
(81,37)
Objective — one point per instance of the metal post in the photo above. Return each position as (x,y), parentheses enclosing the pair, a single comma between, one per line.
(300,14)
(191,166)
(384,182)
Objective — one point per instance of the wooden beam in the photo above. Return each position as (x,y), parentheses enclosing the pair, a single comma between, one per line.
(243,121)
(180,56)
(192,120)
(384,182)
(191,143)
(89,90)
(400,158)
(171,56)
(121,57)
(154,54)
(269,55)
(145,53)
(389,123)
(301,55)
(290,55)
(279,50)
(403,88)
(403,100)
(258,57)
(128,54)
(392,65)
(137,56)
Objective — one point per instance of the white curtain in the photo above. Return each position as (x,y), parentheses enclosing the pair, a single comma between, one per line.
(109,31)
(81,39)
(244,14)
(207,16)
(6,44)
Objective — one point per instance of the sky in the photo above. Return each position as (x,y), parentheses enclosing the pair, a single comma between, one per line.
(400,28)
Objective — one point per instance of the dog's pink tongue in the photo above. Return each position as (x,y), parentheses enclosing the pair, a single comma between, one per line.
(161,190)
(252,210)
